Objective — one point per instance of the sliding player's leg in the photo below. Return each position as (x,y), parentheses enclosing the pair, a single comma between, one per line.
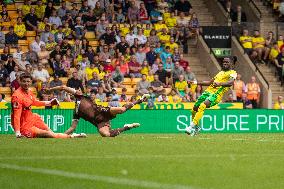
(106,131)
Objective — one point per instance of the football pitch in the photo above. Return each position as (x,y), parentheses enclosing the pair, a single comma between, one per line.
(208,161)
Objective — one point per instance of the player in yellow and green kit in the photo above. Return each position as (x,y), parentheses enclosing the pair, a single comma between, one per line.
(218,86)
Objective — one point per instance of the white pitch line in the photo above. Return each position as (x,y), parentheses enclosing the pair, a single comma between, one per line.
(138,157)
(106,179)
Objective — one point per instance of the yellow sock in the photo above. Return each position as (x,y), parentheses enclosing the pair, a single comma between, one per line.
(193,113)
(199,114)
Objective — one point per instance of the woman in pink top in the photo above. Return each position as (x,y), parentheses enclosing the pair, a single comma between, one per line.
(124,69)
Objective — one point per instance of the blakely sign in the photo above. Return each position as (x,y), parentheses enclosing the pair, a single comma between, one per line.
(217,36)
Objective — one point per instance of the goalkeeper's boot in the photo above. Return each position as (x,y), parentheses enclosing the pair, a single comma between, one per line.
(132,125)
(80,135)
(145,97)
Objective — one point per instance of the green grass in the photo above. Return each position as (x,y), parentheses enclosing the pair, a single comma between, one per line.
(227,161)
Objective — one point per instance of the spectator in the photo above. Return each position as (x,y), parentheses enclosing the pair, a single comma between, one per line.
(14,73)
(56,82)
(151,56)
(101,95)
(182,62)
(189,75)
(20,28)
(279,62)
(46,34)
(75,82)
(230,98)
(31,56)
(124,68)
(171,22)
(269,41)
(247,104)
(94,83)
(198,92)
(182,6)
(194,24)
(239,16)
(153,39)
(176,72)
(108,68)
(239,87)
(36,44)
(22,63)
(65,46)
(10,64)
(18,54)
(181,86)
(3,74)
(31,20)
(58,67)
(132,13)
(39,10)
(246,42)
(2,98)
(258,43)
(157,85)
(2,38)
(108,37)
(104,55)
(130,38)
(48,9)
(26,8)
(123,96)
(165,54)
(143,85)
(15,84)
(120,18)
(169,65)
(152,99)
(253,92)
(43,55)
(122,45)
(173,97)
(40,74)
(162,75)
(140,55)
(114,99)
(117,77)
(11,38)
(172,44)
(134,67)
(90,70)
(164,37)
(55,19)
(279,105)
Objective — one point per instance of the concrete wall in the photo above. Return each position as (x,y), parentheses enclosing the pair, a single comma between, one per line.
(207,59)
(247,69)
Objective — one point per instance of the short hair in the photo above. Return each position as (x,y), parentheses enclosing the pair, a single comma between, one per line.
(25,75)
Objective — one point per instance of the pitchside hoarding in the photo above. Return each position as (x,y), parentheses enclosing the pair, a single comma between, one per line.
(168,121)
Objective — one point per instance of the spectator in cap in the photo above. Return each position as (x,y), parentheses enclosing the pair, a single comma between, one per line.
(55,82)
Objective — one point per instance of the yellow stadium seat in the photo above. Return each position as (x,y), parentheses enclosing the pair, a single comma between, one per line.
(94,43)
(30,39)
(13,51)
(130,91)
(5,90)
(136,80)
(23,42)
(25,49)
(6,24)
(11,7)
(31,34)
(127,81)
(90,36)
(13,14)
(118,90)
(1,50)
(64,80)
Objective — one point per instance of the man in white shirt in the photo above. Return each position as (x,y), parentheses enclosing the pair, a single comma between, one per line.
(92,3)
(130,38)
(36,44)
(40,74)
(18,54)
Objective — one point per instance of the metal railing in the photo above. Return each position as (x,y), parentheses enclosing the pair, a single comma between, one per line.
(255,7)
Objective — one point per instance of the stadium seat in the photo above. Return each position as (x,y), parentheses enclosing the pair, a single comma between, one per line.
(13,14)
(130,91)
(30,34)
(23,42)
(94,43)
(90,36)
(11,7)
(5,90)
(1,50)
(13,51)
(30,39)
(6,24)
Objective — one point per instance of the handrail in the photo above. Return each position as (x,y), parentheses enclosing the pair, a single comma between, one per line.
(255,6)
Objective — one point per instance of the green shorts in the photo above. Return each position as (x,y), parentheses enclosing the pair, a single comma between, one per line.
(212,97)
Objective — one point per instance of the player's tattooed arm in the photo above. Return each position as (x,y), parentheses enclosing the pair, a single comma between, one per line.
(224,84)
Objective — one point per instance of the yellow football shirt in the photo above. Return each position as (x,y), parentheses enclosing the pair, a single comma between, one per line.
(248,44)
(89,72)
(20,30)
(180,86)
(164,38)
(39,11)
(166,15)
(171,22)
(280,43)
(160,26)
(273,53)
(26,9)
(258,40)
(172,46)
(124,31)
(147,32)
(145,70)
(222,76)
(100,74)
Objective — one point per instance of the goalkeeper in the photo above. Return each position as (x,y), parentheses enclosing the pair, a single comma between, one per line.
(99,116)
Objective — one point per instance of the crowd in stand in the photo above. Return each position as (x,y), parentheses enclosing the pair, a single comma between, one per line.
(129,39)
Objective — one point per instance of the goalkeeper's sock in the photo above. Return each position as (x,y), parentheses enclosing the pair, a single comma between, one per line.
(61,135)
(199,114)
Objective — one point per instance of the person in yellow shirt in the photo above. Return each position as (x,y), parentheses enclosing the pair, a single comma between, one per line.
(26,8)
(246,41)
(166,13)
(160,25)
(41,25)
(279,105)
(50,44)
(145,68)
(280,41)
(67,31)
(163,36)
(171,21)
(181,86)
(147,30)
(125,29)
(54,29)
(274,52)
(258,43)
(40,9)
(100,71)
(172,44)
(218,86)
(90,70)
(173,97)
(20,28)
